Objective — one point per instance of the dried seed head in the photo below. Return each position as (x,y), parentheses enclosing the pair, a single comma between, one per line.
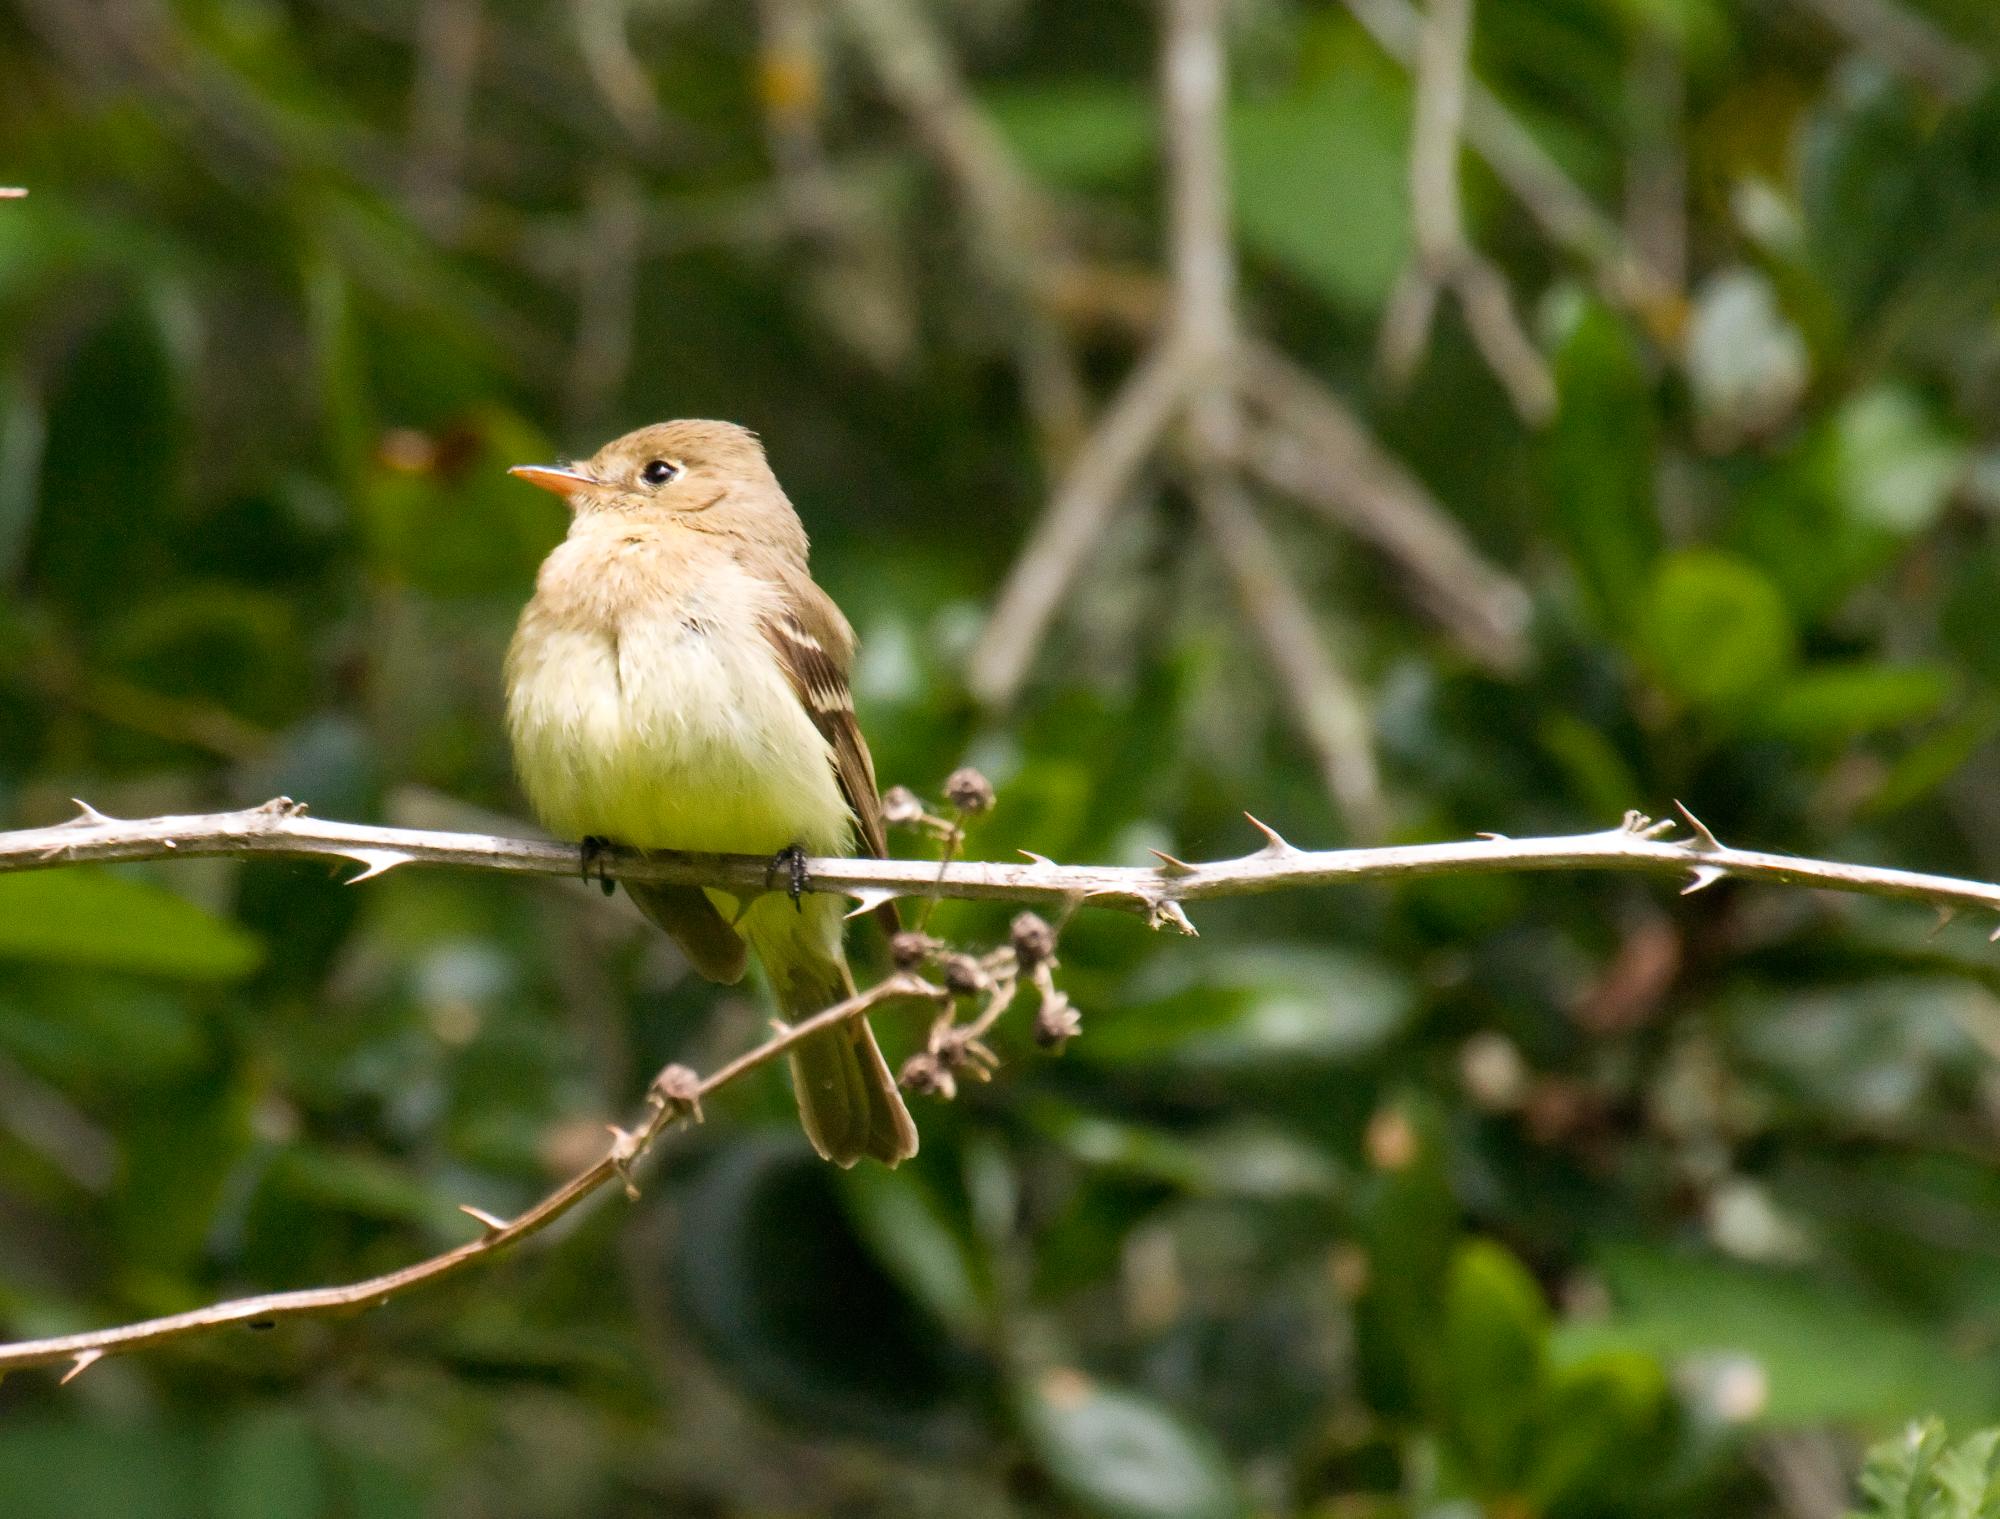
(963,975)
(1057,1022)
(969,791)
(910,949)
(927,1077)
(900,807)
(1034,940)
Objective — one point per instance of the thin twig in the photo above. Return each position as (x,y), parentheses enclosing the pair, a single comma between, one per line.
(1098,479)
(280,828)
(1906,40)
(676,1093)
(1312,448)
(1564,212)
(1444,259)
(448,36)
(1330,712)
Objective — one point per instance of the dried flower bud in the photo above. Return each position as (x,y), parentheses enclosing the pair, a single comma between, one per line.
(924,1075)
(900,807)
(909,949)
(969,791)
(1057,1022)
(1034,940)
(963,975)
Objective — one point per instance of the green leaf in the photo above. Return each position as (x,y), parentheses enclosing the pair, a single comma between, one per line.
(1600,460)
(907,1227)
(1495,1329)
(1920,1475)
(1321,183)
(1714,629)
(1837,701)
(1822,1350)
(1121,1455)
(1891,464)
(91,916)
(1081,132)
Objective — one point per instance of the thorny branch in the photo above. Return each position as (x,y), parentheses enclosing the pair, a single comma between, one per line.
(955,1046)
(1444,259)
(1157,893)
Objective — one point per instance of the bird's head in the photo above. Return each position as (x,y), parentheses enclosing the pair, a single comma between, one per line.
(671,469)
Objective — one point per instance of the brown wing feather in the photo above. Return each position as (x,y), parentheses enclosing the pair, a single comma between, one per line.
(814,645)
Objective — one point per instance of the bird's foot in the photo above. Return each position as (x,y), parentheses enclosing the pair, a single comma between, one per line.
(593,859)
(792,861)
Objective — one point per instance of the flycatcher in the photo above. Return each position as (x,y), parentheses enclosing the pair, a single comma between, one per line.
(679,682)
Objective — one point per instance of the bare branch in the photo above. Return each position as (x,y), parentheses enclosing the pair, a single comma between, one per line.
(1097,481)
(1330,712)
(280,828)
(676,1093)
(1906,40)
(1443,258)
(1313,449)
(1565,213)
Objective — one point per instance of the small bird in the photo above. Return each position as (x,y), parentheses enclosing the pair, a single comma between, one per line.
(680,682)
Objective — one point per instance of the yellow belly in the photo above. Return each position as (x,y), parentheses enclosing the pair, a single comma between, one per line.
(667,734)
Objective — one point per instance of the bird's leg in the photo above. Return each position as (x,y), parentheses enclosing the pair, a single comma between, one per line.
(792,860)
(593,850)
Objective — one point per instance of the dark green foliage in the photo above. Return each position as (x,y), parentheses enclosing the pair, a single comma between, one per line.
(1526,1197)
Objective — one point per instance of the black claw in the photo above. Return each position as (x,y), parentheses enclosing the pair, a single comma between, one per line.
(593,857)
(792,860)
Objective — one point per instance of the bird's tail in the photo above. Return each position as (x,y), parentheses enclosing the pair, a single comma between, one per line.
(847,1096)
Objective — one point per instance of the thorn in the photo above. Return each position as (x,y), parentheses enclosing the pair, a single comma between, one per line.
(1945,913)
(1491,838)
(283,807)
(1039,859)
(85,1359)
(375,862)
(170,843)
(1994,937)
(624,1150)
(486,1220)
(1169,866)
(1705,842)
(87,816)
(868,898)
(1167,913)
(1274,842)
(1701,877)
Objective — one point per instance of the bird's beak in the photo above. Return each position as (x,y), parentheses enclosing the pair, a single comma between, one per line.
(563,479)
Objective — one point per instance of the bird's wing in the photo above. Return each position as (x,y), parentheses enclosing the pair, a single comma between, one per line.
(815,646)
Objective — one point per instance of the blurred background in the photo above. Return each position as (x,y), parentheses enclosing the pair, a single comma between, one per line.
(1646,449)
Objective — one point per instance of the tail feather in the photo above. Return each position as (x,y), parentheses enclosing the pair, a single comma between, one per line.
(847,1096)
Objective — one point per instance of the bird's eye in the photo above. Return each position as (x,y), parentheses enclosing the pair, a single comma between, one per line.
(658,472)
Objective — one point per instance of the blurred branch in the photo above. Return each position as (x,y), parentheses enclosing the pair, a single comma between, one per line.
(1326,704)
(621,80)
(1330,712)
(1311,447)
(447,49)
(676,1092)
(1564,212)
(280,828)
(1906,40)
(1089,492)
(1444,260)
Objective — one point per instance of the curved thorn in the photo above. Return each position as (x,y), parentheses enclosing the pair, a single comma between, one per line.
(868,898)
(1169,866)
(87,816)
(1702,877)
(85,1359)
(1491,838)
(1705,842)
(375,862)
(1274,842)
(487,1221)
(1039,859)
